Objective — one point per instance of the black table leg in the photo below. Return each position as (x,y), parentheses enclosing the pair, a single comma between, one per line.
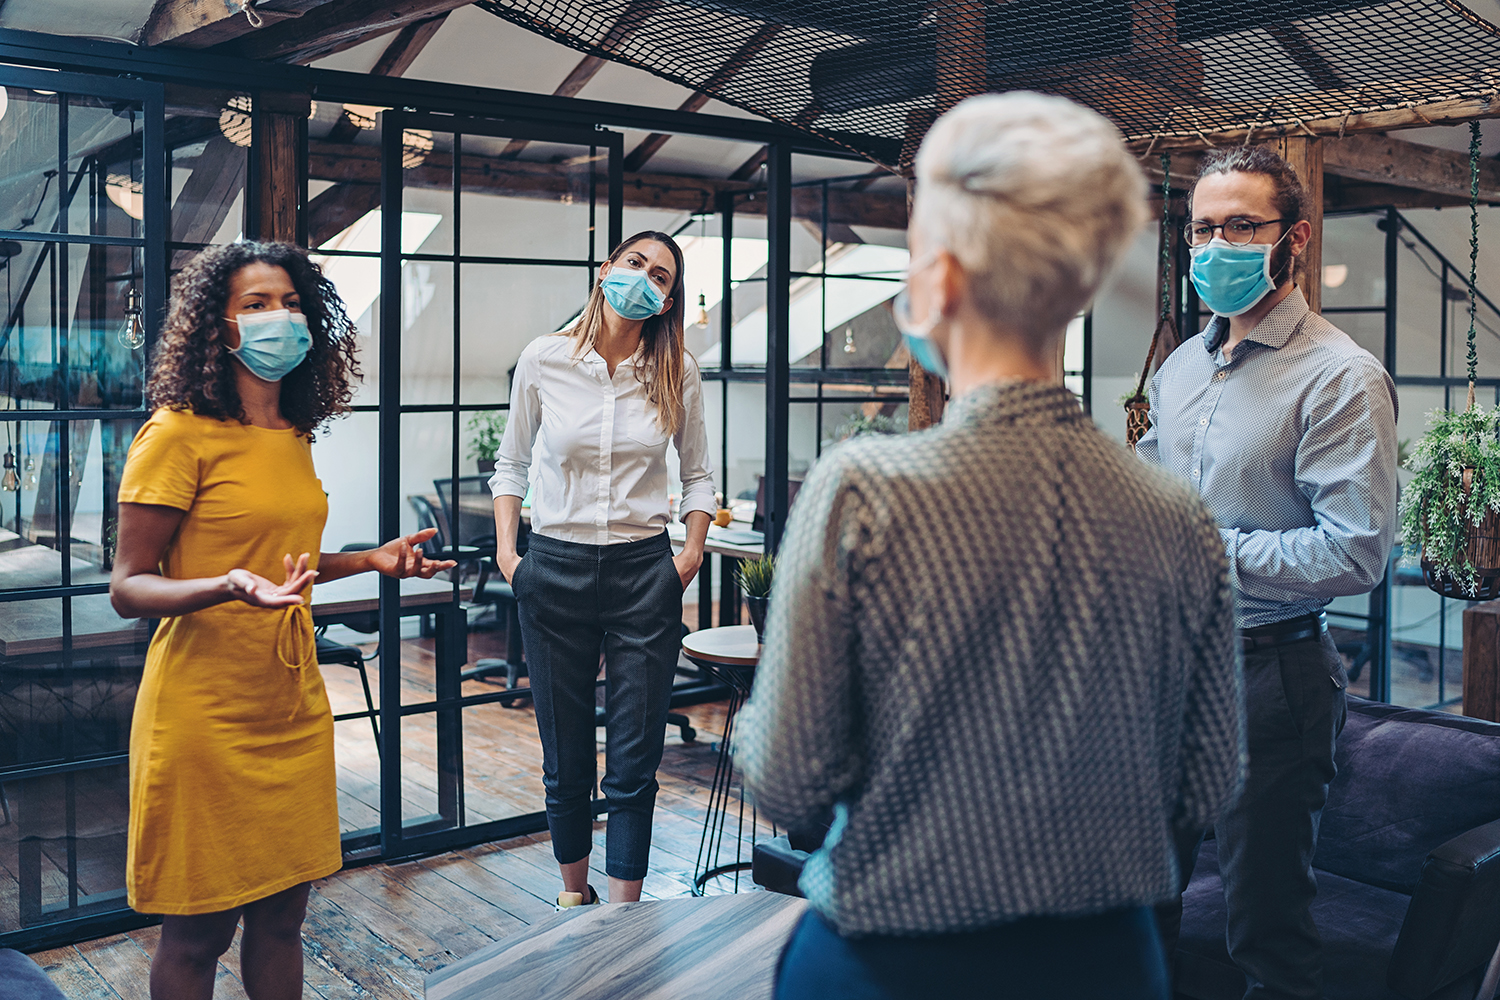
(729,591)
(450,653)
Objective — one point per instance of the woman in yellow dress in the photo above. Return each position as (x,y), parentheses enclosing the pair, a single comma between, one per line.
(232,793)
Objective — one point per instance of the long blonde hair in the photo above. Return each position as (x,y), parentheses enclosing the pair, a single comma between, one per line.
(661,337)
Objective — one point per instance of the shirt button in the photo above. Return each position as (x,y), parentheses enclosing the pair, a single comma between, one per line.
(1219,376)
(1197,473)
(1202,421)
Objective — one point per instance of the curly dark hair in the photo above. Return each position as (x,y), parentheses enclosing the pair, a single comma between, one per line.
(192,369)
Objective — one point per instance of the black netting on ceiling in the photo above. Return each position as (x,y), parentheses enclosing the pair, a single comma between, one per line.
(867,74)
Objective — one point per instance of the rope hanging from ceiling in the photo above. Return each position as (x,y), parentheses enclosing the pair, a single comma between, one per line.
(1137,406)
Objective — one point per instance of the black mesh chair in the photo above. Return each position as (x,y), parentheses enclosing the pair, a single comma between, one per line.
(440,546)
(332,653)
(471,510)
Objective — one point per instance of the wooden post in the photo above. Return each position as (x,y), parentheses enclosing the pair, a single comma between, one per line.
(1482,661)
(281,120)
(1305,154)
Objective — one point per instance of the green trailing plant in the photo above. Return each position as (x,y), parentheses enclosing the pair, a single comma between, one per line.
(1456,465)
(755,575)
(860,423)
(1437,511)
(487,428)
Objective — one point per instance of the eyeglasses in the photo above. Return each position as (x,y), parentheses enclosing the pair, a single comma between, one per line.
(1237,231)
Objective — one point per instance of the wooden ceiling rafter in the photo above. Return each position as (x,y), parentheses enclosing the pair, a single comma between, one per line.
(395,60)
(625,26)
(332,27)
(752,47)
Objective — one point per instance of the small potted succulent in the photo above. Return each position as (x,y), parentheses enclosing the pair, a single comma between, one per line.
(1450,510)
(755,577)
(487,428)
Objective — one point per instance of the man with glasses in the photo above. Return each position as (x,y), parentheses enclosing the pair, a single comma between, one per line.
(1287,428)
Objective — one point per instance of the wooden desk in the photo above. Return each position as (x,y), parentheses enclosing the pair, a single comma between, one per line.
(666,949)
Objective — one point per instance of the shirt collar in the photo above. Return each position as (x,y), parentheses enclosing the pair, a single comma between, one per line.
(1273,331)
(1015,403)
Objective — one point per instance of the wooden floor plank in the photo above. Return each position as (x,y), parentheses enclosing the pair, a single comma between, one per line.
(122,963)
(73,974)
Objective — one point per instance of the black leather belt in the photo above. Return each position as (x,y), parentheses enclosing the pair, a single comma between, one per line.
(1283,633)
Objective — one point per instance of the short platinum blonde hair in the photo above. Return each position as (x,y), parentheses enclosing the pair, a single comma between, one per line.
(1036,197)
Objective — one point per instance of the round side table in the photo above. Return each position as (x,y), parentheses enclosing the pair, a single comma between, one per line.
(730,654)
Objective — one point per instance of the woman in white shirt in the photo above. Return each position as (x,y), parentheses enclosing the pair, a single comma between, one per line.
(603,398)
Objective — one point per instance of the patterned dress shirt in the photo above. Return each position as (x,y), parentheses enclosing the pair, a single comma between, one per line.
(1292,444)
(1001,653)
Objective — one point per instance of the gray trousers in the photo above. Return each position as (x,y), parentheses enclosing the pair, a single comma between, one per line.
(576,601)
(1295,706)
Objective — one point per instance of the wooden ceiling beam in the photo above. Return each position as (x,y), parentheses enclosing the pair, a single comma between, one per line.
(333,27)
(1383,159)
(357,164)
(1452,111)
(394,61)
(199,24)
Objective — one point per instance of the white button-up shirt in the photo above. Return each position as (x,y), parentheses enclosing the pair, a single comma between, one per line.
(601,478)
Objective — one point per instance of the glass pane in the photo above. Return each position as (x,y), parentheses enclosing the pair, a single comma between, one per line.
(62,846)
(54,708)
(503,307)
(31,512)
(1353,261)
(502,754)
(208,142)
(531,199)
(427,332)
(70,163)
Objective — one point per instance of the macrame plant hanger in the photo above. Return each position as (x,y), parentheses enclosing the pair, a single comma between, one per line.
(1482,551)
(1137,406)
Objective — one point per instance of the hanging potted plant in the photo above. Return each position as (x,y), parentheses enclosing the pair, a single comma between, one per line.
(1450,511)
(755,576)
(487,428)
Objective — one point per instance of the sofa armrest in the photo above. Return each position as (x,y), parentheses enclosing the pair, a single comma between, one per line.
(23,979)
(1453,922)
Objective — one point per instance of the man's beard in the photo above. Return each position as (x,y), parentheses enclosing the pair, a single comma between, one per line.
(1281,263)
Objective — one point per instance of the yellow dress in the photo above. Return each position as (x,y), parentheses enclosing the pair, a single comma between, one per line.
(232,785)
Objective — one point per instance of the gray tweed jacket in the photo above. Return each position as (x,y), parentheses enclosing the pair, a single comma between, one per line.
(1001,653)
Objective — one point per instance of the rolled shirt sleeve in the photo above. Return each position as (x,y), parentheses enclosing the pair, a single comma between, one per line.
(695,465)
(513,459)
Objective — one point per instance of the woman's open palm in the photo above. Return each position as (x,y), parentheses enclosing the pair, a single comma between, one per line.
(262,593)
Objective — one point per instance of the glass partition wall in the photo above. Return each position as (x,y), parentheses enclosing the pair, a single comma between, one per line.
(81,247)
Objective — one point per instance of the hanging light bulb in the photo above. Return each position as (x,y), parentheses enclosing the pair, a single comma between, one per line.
(416,143)
(29,483)
(702,319)
(132,333)
(849,347)
(11,482)
(234,121)
(4,101)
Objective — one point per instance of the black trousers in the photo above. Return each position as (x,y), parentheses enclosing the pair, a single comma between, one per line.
(576,600)
(1295,707)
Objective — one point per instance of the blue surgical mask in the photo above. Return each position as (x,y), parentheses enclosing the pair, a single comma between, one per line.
(631,293)
(272,343)
(1230,279)
(918,336)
